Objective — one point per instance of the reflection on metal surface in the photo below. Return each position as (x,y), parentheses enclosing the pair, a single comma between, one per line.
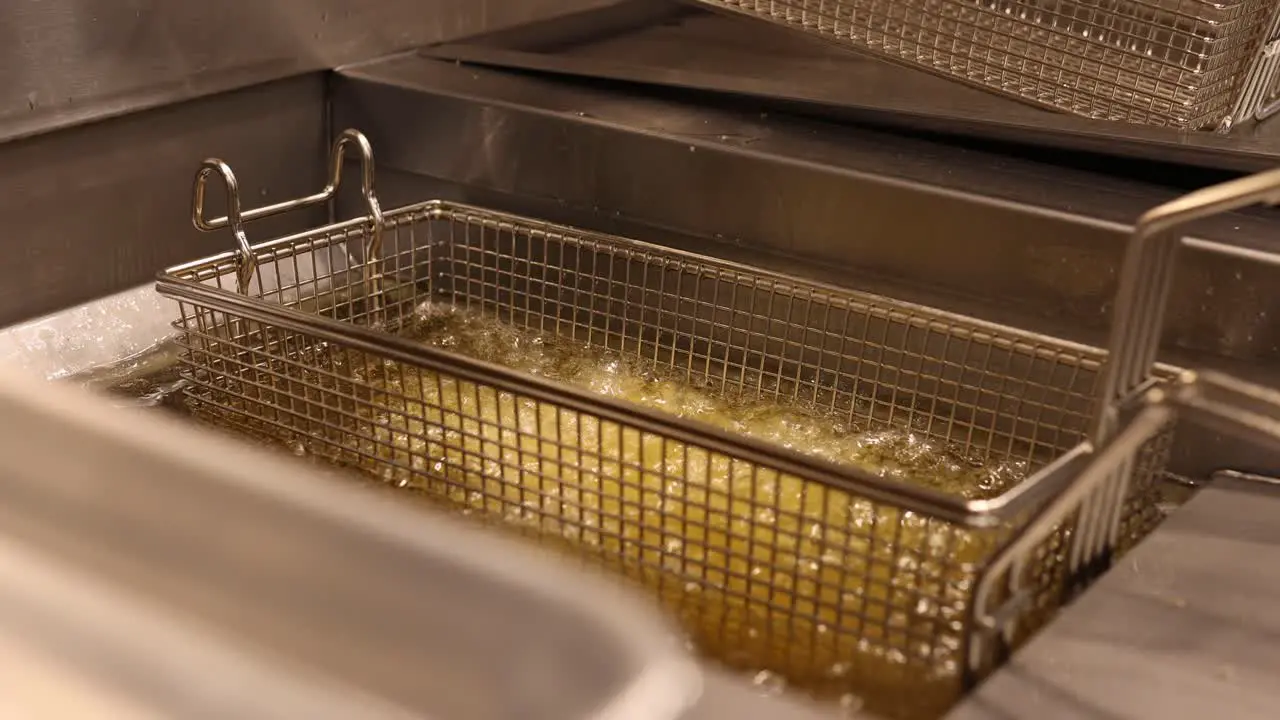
(311,575)
(69,61)
(1265,480)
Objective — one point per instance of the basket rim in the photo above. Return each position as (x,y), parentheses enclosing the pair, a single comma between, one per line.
(178,283)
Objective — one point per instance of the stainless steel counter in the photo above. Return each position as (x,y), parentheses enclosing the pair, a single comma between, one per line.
(1185,627)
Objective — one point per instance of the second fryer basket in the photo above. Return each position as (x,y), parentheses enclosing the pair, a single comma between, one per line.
(1189,64)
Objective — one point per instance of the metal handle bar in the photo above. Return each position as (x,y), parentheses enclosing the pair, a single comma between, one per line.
(1141,303)
(237,217)
(1146,278)
(1212,399)
(1100,481)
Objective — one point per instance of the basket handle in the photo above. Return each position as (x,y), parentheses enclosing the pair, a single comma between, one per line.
(1224,403)
(237,217)
(1146,278)
(1099,492)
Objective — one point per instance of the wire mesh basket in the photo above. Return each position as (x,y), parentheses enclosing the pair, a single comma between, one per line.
(1190,64)
(831,575)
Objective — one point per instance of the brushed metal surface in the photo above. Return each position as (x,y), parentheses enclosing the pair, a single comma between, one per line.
(70,61)
(312,574)
(96,209)
(74,646)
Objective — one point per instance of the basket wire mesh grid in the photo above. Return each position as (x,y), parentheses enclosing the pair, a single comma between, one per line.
(835,578)
(1188,64)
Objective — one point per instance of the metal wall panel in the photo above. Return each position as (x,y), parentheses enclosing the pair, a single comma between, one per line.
(70,61)
(92,210)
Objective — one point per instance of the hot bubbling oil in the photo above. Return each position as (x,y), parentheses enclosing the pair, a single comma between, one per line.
(894,453)
(785,577)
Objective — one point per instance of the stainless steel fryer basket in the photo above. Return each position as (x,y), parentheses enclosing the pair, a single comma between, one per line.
(833,576)
(1189,64)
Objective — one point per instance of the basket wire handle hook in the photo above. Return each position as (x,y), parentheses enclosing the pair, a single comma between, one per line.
(237,217)
(1214,400)
(1142,299)
(1100,492)
(246,263)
